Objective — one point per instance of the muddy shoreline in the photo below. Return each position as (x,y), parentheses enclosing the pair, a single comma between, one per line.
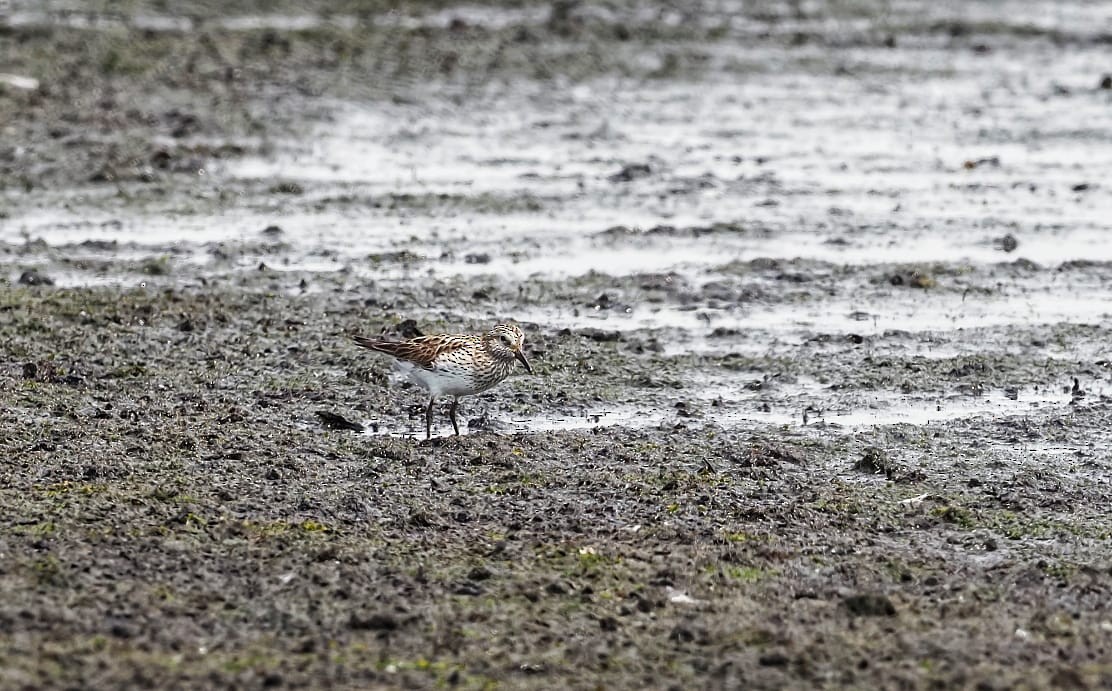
(811,408)
(182,426)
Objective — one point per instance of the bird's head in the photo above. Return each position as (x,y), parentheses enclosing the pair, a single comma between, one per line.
(505,342)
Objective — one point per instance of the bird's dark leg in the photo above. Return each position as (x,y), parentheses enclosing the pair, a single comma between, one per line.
(428,418)
(452,415)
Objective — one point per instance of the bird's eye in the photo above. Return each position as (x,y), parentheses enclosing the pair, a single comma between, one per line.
(506,339)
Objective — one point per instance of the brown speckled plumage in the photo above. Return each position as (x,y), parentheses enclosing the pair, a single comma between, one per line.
(455,364)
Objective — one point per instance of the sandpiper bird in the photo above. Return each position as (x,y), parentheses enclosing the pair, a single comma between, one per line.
(455,364)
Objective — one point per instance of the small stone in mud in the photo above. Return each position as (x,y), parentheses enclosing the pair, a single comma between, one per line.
(631,172)
(121,629)
(34,278)
(1008,243)
(477,258)
(272,231)
(30,370)
(774,660)
(869,605)
(336,421)
(921,280)
(1080,187)
(914,279)
(874,461)
(1106,82)
(185,325)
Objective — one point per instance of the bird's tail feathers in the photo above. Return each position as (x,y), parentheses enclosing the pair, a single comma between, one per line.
(376,344)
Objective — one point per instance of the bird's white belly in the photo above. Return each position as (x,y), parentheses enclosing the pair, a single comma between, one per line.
(444,380)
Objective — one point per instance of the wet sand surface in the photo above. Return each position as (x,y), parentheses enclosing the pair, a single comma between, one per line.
(817,297)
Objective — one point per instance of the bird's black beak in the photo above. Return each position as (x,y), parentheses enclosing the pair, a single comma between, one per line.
(520,357)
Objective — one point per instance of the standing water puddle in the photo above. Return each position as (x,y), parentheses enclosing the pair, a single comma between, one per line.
(875,410)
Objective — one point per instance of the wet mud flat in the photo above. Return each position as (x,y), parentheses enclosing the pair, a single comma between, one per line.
(179,513)
(821,393)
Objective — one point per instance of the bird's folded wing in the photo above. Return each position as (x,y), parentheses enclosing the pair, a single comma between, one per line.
(421,351)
